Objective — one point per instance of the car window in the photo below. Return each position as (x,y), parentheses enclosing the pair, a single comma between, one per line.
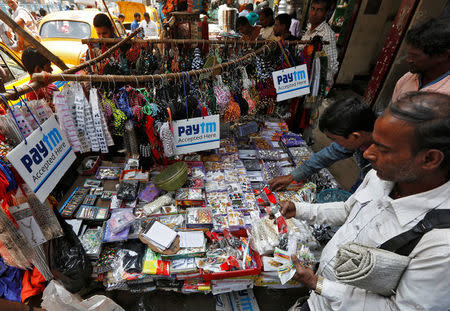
(65,29)
(13,69)
(120,28)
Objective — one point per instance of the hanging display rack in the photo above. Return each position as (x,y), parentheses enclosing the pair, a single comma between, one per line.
(47,78)
(43,79)
(194,41)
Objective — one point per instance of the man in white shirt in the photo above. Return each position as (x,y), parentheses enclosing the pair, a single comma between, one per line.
(25,20)
(6,35)
(149,27)
(411,161)
(317,26)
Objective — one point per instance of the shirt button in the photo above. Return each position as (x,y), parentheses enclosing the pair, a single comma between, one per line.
(357,227)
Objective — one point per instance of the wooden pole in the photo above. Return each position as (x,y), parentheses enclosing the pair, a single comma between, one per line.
(30,39)
(33,86)
(108,52)
(194,41)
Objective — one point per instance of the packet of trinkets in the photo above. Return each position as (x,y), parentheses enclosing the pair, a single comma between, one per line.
(199,218)
(189,197)
(105,172)
(292,140)
(128,190)
(150,193)
(73,202)
(96,191)
(107,195)
(92,242)
(137,175)
(287,271)
(95,213)
(121,219)
(93,183)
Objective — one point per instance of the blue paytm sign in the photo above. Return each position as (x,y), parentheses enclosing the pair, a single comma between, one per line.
(197,134)
(291,82)
(42,149)
(199,128)
(43,158)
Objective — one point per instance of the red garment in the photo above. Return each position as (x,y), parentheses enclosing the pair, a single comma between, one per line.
(33,283)
(45,92)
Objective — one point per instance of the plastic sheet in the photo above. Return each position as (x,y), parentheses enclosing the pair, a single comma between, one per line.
(57,298)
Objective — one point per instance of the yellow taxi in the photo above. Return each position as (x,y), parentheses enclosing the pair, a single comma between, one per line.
(62,32)
(128,9)
(16,74)
(10,62)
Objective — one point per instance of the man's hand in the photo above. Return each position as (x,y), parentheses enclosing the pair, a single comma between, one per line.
(288,209)
(280,182)
(304,275)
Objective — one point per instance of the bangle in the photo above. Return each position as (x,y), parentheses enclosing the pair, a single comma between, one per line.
(319,285)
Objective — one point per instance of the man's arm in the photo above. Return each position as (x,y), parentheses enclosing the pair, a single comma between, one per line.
(319,160)
(333,213)
(423,286)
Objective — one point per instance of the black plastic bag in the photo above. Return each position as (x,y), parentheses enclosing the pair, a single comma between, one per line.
(68,260)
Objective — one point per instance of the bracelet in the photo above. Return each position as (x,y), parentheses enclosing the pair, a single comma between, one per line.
(319,285)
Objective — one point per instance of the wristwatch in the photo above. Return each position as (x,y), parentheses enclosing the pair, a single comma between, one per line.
(319,285)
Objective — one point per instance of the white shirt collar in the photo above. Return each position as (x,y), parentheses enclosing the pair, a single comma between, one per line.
(411,207)
(407,208)
(319,28)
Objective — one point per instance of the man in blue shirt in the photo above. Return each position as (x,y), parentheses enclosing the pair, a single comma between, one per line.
(349,124)
(135,23)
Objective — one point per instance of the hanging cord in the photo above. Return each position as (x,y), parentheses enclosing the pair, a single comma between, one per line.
(287,52)
(14,117)
(185,98)
(29,110)
(195,94)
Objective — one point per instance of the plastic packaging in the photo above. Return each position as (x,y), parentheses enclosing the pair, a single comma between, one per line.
(128,190)
(92,242)
(57,298)
(121,219)
(163,200)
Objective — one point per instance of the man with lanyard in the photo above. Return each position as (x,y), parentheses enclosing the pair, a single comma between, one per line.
(149,27)
(318,26)
(25,20)
(410,157)
(428,58)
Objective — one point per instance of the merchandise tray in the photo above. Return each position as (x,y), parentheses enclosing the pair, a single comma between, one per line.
(253,272)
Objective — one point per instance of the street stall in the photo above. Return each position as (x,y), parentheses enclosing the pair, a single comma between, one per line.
(186,205)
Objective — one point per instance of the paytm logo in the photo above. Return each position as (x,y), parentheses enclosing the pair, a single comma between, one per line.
(42,149)
(291,77)
(201,128)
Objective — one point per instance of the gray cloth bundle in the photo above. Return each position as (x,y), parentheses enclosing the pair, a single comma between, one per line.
(370,268)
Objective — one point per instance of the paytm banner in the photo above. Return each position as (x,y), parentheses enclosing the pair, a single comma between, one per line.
(291,82)
(197,134)
(43,158)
